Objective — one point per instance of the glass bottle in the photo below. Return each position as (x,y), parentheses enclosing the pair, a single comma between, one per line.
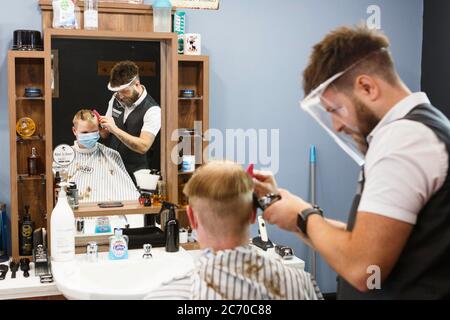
(162,190)
(162,16)
(33,162)
(91,14)
(161,193)
(26,233)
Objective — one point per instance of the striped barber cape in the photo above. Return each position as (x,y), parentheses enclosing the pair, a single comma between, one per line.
(239,274)
(100,175)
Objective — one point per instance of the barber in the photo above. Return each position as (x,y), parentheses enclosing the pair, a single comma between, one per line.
(399,226)
(133,119)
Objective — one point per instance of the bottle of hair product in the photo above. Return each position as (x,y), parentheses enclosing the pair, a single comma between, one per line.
(62,230)
(26,233)
(33,160)
(172,229)
(91,14)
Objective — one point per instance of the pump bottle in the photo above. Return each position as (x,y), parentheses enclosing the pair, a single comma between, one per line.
(62,229)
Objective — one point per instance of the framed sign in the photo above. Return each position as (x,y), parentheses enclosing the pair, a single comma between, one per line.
(63,155)
(196,4)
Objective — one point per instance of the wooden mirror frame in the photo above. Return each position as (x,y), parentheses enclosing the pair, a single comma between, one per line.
(169,94)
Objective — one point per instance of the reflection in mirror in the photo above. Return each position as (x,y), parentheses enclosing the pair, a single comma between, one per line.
(104,226)
(108,144)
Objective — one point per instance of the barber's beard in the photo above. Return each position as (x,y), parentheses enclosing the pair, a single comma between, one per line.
(129,101)
(367,121)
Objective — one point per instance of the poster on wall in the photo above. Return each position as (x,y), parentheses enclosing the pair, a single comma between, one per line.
(196,4)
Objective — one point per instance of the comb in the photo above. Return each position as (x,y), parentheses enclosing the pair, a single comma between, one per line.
(250,170)
(97,115)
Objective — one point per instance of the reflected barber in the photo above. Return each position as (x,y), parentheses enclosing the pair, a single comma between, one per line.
(133,119)
(400,218)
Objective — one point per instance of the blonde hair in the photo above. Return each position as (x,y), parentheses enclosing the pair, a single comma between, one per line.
(221,194)
(84,115)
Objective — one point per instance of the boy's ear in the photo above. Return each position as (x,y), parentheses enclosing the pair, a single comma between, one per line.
(191,216)
(253,216)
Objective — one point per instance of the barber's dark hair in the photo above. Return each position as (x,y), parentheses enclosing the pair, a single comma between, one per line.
(123,72)
(344,47)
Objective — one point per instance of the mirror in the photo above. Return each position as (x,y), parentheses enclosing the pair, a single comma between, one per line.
(80,76)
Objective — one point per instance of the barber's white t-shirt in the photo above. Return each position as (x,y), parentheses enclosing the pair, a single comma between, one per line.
(152,118)
(406,164)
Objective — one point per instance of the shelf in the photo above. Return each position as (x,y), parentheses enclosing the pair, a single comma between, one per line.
(30,98)
(27,54)
(183,58)
(26,177)
(185,173)
(130,207)
(24,257)
(33,138)
(193,98)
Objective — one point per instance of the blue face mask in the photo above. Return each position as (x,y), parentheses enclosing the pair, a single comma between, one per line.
(88,140)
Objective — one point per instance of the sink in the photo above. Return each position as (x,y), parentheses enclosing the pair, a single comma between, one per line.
(130,279)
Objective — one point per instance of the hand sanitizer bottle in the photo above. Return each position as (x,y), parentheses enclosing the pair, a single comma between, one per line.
(118,245)
(62,230)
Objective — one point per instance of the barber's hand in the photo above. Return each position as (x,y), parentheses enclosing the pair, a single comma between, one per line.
(264,183)
(108,123)
(284,212)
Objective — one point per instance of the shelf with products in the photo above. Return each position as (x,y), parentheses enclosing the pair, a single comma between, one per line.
(193,116)
(29,149)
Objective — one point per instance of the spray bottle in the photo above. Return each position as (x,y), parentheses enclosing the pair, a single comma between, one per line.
(172,228)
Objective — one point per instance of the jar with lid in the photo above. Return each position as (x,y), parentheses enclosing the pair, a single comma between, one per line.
(91,14)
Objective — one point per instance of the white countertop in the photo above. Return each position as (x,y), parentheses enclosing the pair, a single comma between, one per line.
(22,288)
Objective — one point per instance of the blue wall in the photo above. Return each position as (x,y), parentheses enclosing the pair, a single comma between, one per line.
(19,14)
(257,56)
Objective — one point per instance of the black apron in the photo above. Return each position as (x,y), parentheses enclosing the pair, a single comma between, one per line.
(133,125)
(423,268)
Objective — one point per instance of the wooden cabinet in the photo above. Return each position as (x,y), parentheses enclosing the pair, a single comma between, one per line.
(28,70)
(193,113)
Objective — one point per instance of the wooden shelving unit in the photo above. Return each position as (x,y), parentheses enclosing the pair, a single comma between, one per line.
(28,69)
(193,74)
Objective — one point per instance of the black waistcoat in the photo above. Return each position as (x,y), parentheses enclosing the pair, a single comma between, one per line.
(423,268)
(133,125)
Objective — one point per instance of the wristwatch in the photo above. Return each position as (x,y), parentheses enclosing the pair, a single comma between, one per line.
(302,217)
(265,201)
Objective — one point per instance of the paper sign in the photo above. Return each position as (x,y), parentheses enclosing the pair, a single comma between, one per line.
(196,4)
(63,155)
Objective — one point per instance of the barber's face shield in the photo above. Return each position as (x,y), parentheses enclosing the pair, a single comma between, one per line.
(329,108)
(122,87)
(124,93)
